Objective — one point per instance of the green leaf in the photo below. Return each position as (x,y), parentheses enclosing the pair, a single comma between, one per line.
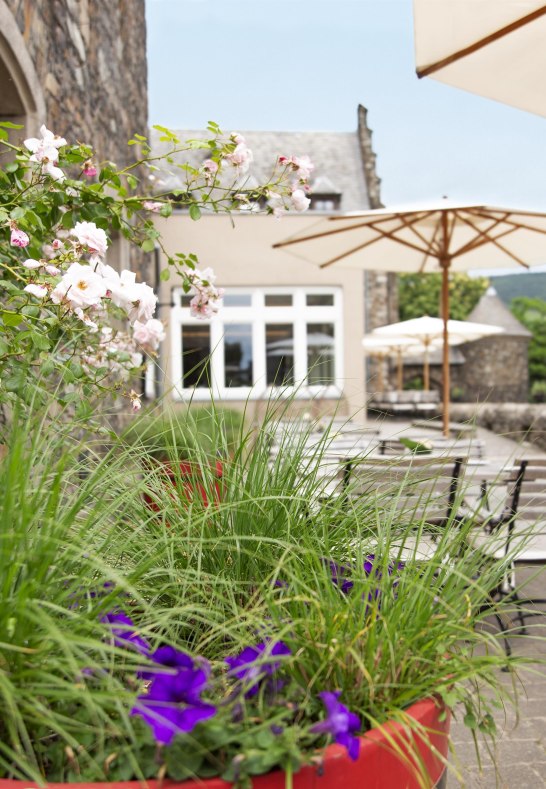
(40,341)
(10,125)
(17,213)
(12,167)
(165,275)
(195,212)
(148,245)
(11,318)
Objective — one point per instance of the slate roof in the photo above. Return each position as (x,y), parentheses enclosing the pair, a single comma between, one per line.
(492,311)
(337,158)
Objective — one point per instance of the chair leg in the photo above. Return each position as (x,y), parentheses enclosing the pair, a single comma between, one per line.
(503,629)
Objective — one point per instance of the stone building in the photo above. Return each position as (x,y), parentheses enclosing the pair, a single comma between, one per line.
(77,65)
(496,368)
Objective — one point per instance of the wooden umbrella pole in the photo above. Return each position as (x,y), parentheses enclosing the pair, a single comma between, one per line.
(426,367)
(444,262)
(399,373)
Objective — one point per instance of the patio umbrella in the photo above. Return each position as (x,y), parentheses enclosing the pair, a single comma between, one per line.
(430,331)
(494,48)
(426,238)
(391,345)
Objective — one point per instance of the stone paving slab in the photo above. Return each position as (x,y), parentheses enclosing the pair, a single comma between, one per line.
(519,758)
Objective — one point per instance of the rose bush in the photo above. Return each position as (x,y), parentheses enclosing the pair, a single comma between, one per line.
(62,289)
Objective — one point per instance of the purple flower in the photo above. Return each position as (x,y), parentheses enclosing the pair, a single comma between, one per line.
(243,666)
(339,573)
(124,632)
(340,723)
(172,705)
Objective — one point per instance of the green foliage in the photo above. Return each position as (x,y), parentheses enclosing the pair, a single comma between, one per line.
(211,579)
(532,313)
(420,294)
(171,435)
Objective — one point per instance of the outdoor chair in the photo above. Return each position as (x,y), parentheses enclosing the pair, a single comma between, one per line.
(409,490)
(517,531)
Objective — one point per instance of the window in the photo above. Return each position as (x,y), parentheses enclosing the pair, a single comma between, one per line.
(262,339)
(196,356)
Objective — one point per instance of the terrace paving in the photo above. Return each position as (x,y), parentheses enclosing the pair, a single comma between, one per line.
(518,760)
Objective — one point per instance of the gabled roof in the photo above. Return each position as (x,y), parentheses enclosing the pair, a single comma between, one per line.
(492,311)
(338,158)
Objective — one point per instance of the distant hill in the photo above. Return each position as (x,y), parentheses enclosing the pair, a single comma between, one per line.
(530,284)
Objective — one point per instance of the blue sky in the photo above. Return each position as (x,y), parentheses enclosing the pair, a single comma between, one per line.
(307,64)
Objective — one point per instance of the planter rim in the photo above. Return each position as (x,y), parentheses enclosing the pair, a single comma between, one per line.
(376,742)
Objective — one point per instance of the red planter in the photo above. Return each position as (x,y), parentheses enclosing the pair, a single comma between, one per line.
(378,766)
(189,482)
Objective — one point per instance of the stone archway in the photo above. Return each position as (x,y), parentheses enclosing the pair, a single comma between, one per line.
(21,96)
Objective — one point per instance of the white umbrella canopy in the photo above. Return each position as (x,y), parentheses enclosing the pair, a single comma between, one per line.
(391,345)
(430,332)
(494,48)
(424,238)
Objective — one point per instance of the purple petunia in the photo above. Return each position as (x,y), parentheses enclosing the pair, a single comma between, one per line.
(339,573)
(340,723)
(124,632)
(173,703)
(249,667)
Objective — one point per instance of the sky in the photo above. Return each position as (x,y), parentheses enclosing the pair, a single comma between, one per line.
(305,65)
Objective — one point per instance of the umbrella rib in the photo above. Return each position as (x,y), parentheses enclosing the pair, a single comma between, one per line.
(515,225)
(482,239)
(334,231)
(391,235)
(482,42)
(482,236)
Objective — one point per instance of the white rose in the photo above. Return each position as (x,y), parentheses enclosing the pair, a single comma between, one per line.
(92,237)
(81,286)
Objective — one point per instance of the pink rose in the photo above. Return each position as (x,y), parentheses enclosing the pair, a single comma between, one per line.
(89,169)
(18,237)
(149,334)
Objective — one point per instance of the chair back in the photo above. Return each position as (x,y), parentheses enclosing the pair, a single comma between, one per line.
(420,489)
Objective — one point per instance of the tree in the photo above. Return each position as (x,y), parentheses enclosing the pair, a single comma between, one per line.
(419,294)
(532,313)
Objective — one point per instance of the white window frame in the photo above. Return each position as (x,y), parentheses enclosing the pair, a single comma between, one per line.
(258,315)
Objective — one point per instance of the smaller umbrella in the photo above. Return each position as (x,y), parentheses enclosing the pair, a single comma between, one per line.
(430,331)
(398,346)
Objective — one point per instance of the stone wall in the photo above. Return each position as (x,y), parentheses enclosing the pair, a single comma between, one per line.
(495,370)
(518,421)
(90,59)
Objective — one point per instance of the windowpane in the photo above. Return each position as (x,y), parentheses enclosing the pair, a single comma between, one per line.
(279,353)
(319,299)
(185,299)
(278,299)
(196,356)
(320,354)
(237,299)
(238,354)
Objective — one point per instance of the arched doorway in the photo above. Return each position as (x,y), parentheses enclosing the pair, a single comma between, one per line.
(21,97)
